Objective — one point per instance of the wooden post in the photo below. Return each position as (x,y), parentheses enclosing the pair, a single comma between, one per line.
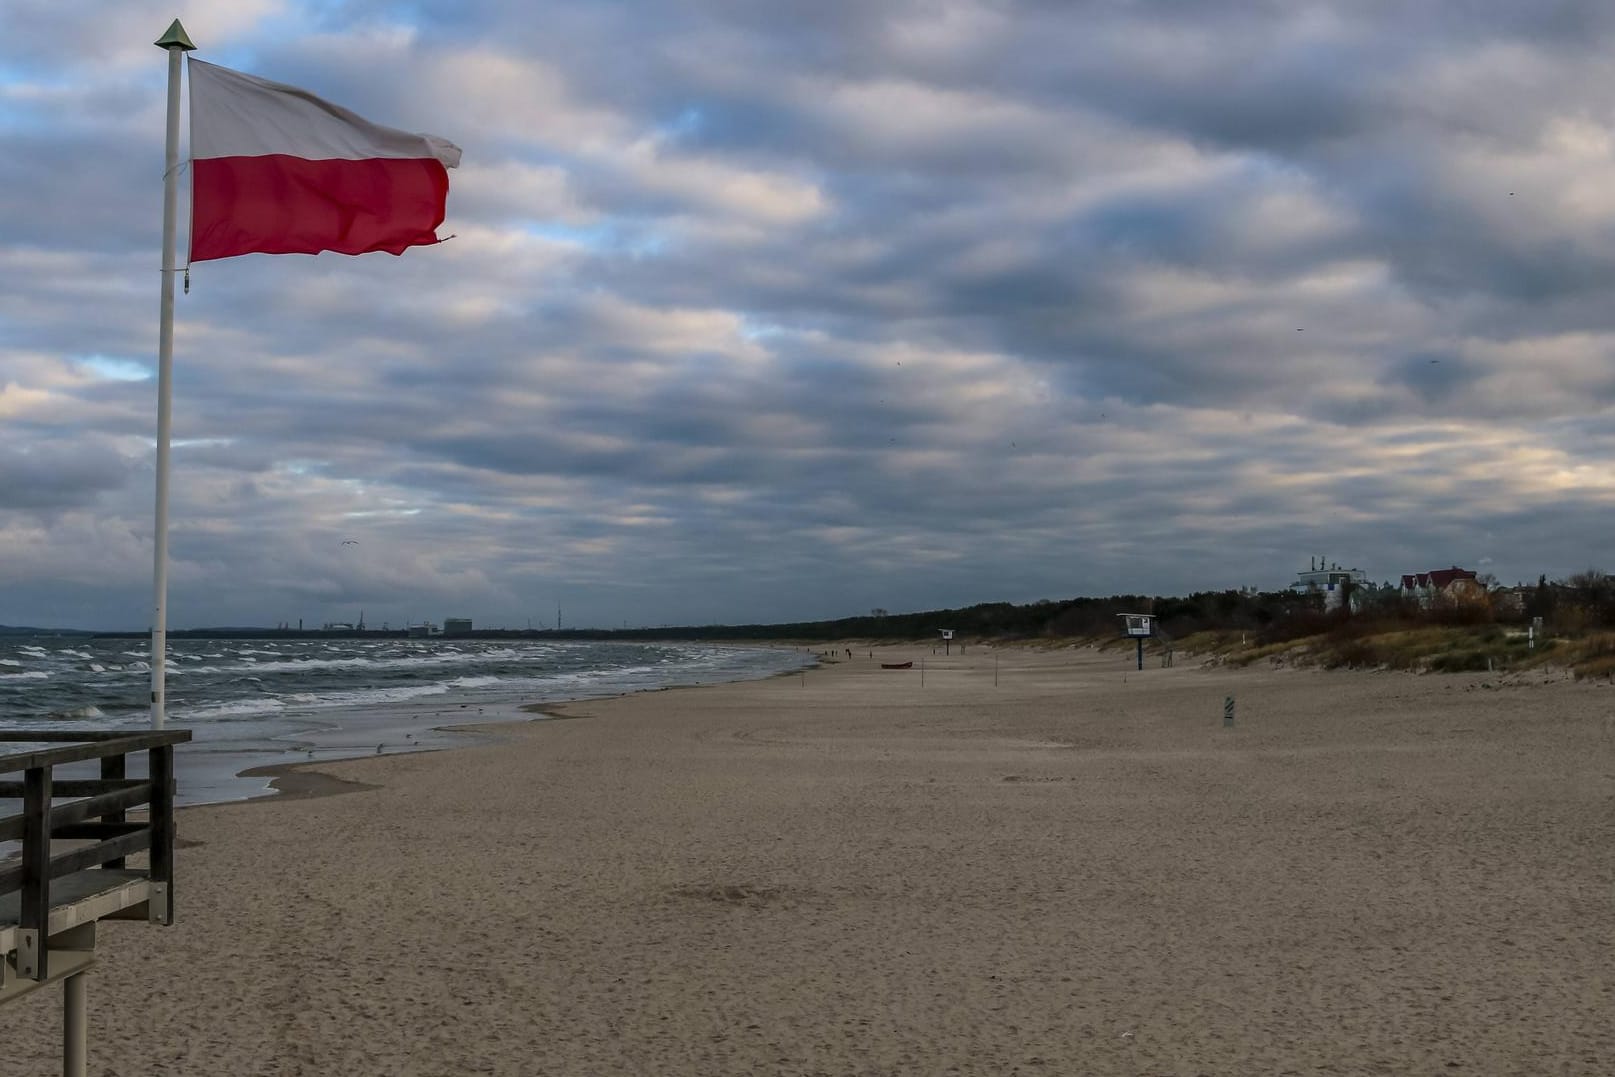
(34,921)
(161,765)
(113,768)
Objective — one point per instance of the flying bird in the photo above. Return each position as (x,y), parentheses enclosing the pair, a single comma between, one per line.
(350,542)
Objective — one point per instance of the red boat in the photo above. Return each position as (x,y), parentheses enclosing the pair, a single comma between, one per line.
(897,665)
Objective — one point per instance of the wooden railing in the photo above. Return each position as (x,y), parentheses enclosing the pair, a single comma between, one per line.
(93,809)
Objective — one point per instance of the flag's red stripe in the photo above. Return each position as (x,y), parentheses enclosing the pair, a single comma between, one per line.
(287,205)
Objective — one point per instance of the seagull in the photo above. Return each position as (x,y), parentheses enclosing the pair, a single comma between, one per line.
(350,542)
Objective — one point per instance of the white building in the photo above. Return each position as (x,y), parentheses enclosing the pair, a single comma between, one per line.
(1329,580)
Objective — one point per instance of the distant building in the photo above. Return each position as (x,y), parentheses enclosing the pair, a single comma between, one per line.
(423,630)
(1330,581)
(456,626)
(1444,585)
(1512,600)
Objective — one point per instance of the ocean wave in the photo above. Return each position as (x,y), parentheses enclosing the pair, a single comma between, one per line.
(237,708)
(475,682)
(314,681)
(304,665)
(78,714)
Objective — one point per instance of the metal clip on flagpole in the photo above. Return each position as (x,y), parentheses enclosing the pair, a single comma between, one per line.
(177,43)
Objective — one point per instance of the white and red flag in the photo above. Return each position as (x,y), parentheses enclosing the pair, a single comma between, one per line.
(276,170)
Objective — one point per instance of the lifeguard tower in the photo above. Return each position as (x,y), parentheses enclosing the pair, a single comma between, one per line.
(72,871)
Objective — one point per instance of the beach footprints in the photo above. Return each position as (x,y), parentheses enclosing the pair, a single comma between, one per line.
(749,895)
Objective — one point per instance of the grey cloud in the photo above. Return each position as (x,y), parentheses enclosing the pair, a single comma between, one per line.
(783,311)
(49,474)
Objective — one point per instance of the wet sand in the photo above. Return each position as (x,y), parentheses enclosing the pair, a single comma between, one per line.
(1078,870)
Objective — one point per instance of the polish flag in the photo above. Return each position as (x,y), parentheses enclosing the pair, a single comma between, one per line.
(276,170)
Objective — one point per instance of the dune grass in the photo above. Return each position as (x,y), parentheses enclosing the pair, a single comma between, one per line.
(1364,644)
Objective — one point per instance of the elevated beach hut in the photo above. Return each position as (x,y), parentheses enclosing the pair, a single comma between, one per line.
(72,870)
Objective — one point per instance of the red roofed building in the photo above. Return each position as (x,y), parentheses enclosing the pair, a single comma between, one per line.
(1447,585)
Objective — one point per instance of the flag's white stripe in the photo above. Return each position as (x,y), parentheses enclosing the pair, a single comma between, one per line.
(239,115)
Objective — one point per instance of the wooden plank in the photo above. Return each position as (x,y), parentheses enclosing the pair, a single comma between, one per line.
(136,794)
(90,747)
(96,830)
(81,897)
(132,795)
(98,854)
(76,787)
(77,735)
(34,914)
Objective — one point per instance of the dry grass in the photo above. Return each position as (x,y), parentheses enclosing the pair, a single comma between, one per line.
(1368,643)
(1362,643)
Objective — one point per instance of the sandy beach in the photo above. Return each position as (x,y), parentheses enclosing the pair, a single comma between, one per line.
(1076,870)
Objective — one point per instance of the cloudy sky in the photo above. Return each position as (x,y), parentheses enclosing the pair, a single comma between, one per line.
(790,310)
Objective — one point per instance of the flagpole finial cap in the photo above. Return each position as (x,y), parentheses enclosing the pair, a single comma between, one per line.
(175,35)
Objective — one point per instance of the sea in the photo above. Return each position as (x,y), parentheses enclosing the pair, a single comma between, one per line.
(252,703)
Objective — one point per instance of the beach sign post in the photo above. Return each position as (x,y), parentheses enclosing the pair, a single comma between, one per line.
(1138,627)
(275,170)
(947,640)
(1228,712)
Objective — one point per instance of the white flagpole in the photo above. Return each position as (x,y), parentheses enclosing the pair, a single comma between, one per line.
(177,44)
